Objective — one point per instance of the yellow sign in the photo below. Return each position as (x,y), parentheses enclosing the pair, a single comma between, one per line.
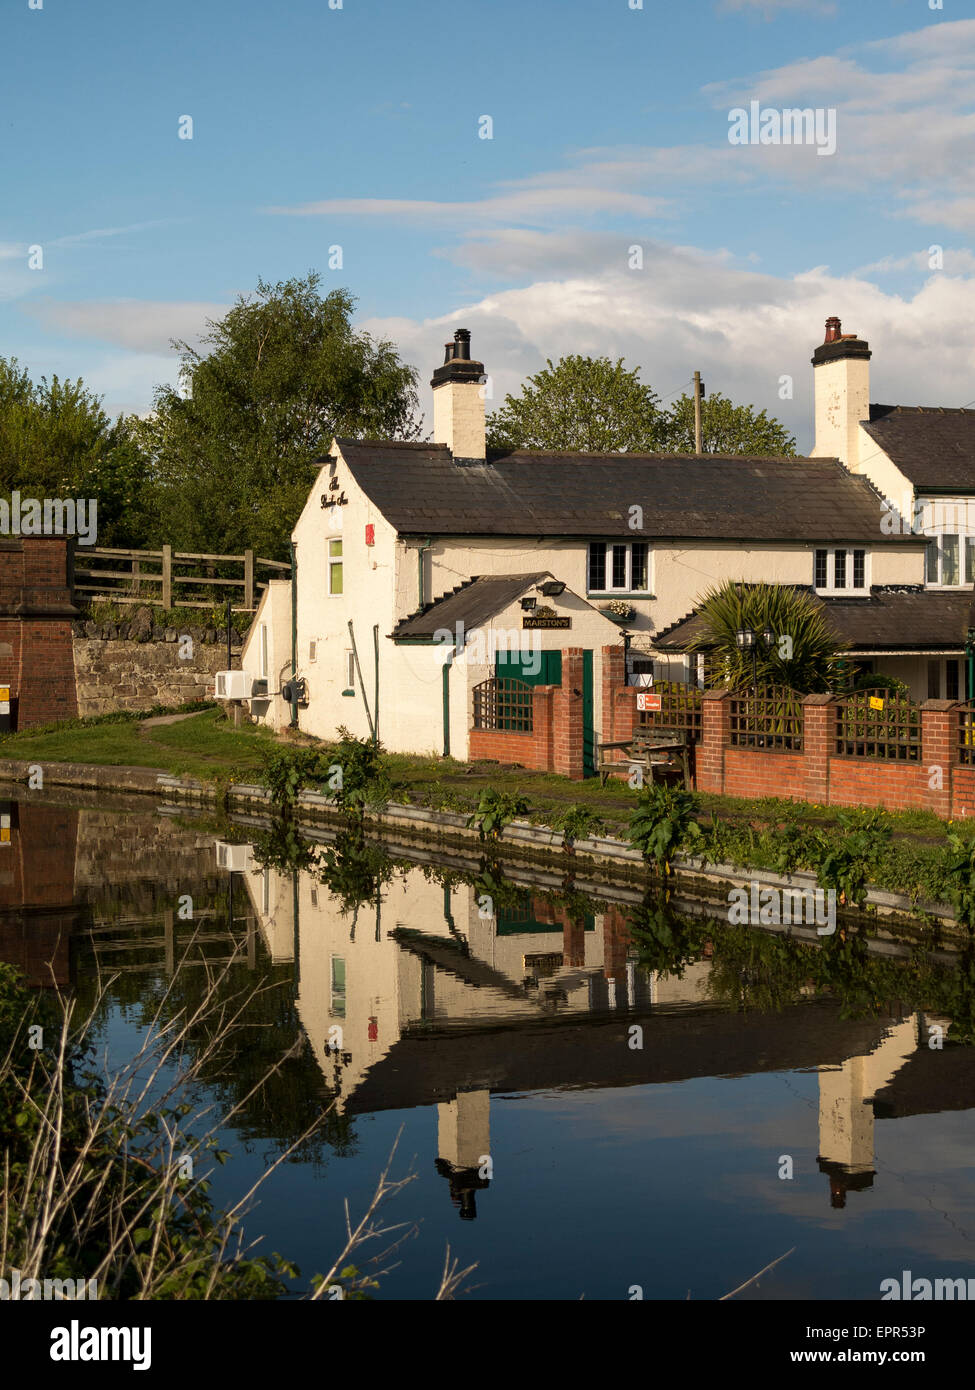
(4,692)
(4,835)
(876,702)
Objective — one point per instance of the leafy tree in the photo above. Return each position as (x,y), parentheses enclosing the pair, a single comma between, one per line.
(284,373)
(589,404)
(593,405)
(57,441)
(726,428)
(809,661)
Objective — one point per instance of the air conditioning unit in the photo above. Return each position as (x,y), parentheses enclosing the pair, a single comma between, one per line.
(233,858)
(233,685)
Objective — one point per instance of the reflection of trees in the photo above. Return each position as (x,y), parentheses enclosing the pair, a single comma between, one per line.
(752,969)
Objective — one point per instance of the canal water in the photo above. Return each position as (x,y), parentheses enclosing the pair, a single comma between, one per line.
(597,1095)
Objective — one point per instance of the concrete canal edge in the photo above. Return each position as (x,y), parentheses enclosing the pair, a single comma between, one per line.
(603,858)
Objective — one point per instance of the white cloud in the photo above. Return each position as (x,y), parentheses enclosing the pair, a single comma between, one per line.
(531,205)
(141,325)
(742,329)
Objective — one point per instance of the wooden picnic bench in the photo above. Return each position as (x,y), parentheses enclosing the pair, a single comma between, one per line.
(648,749)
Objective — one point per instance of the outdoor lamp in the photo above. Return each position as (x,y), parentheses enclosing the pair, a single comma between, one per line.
(745,639)
(528,604)
(768,636)
(552,588)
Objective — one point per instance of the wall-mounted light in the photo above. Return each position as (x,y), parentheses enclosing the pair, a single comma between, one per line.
(528,604)
(551,588)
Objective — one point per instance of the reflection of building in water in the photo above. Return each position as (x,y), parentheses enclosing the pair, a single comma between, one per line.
(420,1000)
(37,890)
(848,1103)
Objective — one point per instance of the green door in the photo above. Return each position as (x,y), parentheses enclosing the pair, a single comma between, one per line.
(588,728)
(514,664)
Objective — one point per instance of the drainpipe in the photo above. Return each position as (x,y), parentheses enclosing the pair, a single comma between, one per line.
(419,573)
(294,636)
(448,658)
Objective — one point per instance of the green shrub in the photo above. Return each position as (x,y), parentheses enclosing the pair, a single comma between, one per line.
(577,822)
(663,822)
(495,810)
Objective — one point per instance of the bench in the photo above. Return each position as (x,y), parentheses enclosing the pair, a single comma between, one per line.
(647,749)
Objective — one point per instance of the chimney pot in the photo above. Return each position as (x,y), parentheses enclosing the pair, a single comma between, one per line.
(462,345)
(833,330)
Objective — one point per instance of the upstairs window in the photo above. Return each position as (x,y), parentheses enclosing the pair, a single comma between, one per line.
(944,565)
(335,567)
(840,571)
(620,567)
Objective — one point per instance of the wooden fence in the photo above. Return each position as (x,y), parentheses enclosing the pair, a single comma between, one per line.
(152,576)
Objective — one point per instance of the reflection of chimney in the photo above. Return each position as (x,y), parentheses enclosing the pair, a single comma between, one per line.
(841,376)
(458,402)
(463,1141)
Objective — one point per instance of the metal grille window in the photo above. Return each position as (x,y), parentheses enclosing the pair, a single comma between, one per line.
(821,580)
(839,569)
(859,568)
(597,565)
(505,704)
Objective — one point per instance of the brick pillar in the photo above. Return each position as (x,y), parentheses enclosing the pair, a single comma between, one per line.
(567,709)
(573,942)
(939,728)
(543,727)
(715,730)
(616,940)
(614,678)
(818,721)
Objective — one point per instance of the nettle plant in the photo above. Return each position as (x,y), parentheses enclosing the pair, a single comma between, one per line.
(577,822)
(663,822)
(495,810)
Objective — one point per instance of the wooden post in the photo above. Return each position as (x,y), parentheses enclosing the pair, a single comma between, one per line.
(249,579)
(136,575)
(167,576)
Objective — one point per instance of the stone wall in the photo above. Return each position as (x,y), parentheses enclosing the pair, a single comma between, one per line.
(135,665)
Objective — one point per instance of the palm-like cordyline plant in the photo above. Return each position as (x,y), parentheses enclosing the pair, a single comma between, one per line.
(810,662)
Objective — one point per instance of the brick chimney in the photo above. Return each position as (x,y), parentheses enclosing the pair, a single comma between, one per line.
(841,374)
(458,402)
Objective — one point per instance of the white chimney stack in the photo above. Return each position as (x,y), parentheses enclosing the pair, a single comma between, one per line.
(841,373)
(458,402)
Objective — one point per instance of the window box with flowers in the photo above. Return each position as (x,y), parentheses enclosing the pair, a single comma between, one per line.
(619,610)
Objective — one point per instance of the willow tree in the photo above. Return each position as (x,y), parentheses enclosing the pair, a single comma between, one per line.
(805,653)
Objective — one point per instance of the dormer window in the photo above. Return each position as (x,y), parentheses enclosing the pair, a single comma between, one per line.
(840,571)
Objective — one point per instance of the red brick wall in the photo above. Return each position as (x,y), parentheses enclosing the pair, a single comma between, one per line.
(36,656)
(934,783)
(567,708)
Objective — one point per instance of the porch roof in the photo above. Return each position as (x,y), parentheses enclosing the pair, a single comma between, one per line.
(471,604)
(901,621)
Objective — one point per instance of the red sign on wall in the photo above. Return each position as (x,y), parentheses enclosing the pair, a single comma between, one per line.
(370,534)
(646,701)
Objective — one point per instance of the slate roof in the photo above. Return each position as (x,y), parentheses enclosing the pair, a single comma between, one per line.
(421,491)
(932,446)
(471,604)
(894,620)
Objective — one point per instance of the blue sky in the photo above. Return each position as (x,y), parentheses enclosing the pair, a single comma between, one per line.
(358,127)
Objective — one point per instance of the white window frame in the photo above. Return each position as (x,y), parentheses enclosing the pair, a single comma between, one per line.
(830,586)
(349,659)
(331,562)
(610,589)
(966,571)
